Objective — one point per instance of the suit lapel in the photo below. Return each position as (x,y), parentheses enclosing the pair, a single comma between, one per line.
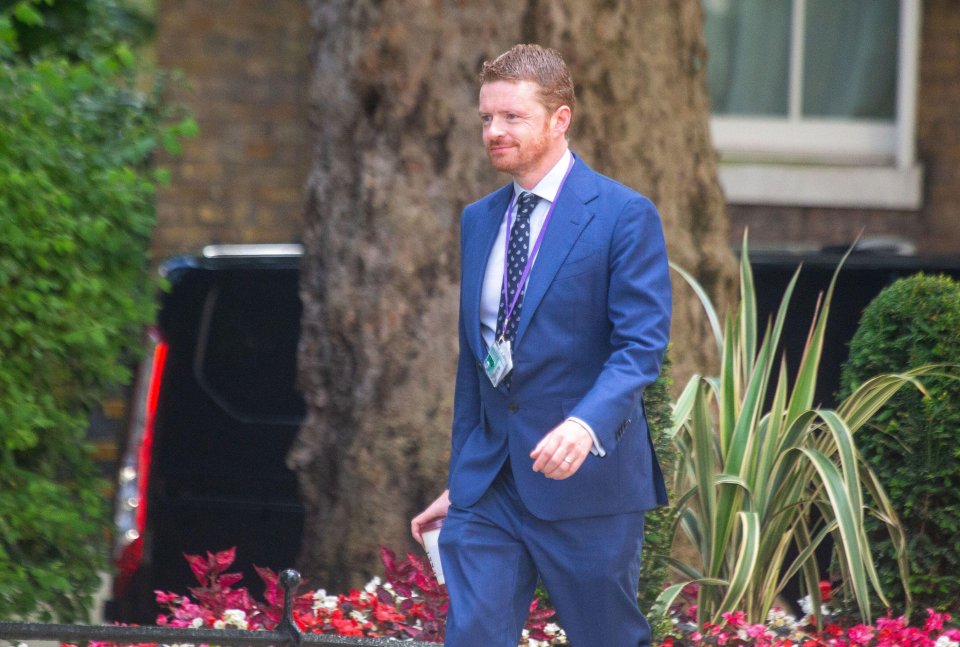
(569,219)
(482,234)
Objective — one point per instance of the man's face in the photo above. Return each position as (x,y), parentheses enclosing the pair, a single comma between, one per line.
(518,133)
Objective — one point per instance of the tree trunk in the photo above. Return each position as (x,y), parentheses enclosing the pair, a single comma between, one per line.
(397,155)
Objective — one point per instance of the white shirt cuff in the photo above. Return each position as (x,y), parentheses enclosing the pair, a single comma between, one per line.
(597,449)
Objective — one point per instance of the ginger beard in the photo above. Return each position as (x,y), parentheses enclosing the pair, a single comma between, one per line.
(516,156)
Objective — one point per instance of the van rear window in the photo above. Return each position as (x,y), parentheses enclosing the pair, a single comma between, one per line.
(246,352)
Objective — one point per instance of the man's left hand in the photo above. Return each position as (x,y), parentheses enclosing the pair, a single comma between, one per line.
(561,452)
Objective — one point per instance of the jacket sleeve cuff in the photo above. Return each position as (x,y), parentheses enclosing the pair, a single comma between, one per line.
(597,449)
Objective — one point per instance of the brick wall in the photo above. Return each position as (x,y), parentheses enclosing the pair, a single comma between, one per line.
(247,67)
(938,123)
(936,226)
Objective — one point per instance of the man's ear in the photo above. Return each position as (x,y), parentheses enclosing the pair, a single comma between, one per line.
(560,120)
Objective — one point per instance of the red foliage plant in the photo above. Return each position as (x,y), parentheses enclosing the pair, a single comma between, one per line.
(409,604)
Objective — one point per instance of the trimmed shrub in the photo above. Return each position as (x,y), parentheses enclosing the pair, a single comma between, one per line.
(913,444)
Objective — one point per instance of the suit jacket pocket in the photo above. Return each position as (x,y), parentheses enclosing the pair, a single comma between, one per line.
(575,297)
(579,265)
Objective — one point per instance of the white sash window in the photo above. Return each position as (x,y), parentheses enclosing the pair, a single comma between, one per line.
(813,101)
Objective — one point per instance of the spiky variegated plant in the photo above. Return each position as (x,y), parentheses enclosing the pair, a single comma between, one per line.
(753,480)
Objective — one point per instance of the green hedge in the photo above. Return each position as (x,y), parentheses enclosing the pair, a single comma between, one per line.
(913,445)
(76,214)
(659,524)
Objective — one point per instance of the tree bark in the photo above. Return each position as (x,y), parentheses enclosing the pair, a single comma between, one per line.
(397,156)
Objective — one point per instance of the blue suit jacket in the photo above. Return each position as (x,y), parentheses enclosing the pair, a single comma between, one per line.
(591,336)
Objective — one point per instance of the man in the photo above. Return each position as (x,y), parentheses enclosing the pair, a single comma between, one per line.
(564,318)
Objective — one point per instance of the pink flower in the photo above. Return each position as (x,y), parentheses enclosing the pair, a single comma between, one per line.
(860,634)
(890,624)
(756,631)
(735,618)
(166,598)
(935,620)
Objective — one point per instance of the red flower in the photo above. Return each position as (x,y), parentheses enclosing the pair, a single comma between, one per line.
(346,627)
(826,592)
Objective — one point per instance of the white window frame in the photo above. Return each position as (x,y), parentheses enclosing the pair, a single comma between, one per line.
(827,162)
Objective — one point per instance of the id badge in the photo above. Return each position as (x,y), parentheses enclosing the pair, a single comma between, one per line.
(498,361)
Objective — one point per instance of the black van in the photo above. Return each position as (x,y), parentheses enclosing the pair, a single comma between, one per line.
(213,415)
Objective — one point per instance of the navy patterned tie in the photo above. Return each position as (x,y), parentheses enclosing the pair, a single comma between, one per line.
(516,260)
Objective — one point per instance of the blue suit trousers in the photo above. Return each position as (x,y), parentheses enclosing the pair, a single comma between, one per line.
(494,551)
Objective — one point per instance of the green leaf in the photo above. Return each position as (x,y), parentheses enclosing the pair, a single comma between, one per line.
(745,567)
(27,14)
(710,311)
(850,530)
(125,55)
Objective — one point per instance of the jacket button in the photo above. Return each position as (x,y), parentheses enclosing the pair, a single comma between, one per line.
(514,407)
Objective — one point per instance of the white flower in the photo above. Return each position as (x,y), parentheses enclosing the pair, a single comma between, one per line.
(196,623)
(944,641)
(372,585)
(806,605)
(779,618)
(235,618)
(323,601)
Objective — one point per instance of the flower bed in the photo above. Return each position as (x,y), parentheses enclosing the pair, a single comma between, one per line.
(784,630)
(407,604)
(410,604)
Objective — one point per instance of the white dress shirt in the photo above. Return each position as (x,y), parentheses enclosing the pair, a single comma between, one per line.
(547,190)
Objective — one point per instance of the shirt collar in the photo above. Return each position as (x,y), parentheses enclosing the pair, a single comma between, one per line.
(547,187)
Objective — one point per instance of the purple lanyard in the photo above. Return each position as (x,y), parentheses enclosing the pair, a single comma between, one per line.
(508,310)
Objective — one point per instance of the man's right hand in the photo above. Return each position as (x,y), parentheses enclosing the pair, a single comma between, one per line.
(436,510)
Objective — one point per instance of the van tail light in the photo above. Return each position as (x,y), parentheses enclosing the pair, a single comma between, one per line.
(130,518)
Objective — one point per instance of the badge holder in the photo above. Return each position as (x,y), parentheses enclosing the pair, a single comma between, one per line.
(498,362)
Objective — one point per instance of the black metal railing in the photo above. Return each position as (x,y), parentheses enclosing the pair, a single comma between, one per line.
(286,634)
